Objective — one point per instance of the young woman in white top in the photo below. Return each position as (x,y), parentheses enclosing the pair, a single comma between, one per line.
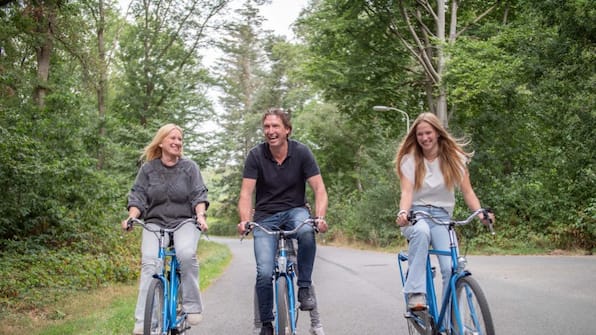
(430,164)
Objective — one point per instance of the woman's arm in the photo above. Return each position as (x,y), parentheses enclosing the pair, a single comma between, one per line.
(471,199)
(405,202)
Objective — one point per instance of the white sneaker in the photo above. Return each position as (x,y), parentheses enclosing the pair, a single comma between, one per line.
(138,330)
(317,330)
(194,318)
(416,301)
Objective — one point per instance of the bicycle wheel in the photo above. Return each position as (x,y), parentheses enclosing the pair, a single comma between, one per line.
(284,321)
(473,309)
(154,306)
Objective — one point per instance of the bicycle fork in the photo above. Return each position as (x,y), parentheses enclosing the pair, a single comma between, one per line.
(284,272)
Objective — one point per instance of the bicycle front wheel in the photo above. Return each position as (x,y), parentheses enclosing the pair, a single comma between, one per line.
(284,320)
(180,317)
(473,309)
(154,306)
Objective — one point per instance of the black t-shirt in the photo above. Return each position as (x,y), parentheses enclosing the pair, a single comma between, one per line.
(279,187)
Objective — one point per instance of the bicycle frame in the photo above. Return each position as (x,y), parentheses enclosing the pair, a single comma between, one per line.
(167,273)
(168,276)
(284,270)
(450,298)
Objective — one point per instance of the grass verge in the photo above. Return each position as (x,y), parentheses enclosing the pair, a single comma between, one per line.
(108,310)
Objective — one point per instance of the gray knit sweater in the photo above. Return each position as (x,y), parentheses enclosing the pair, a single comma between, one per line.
(168,195)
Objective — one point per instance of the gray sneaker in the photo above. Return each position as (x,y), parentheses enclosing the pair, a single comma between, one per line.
(318,330)
(307,302)
(416,301)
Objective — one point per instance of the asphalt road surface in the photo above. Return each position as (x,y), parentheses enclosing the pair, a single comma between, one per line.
(359,293)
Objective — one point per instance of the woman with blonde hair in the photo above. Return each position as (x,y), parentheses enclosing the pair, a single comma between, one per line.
(430,164)
(168,190)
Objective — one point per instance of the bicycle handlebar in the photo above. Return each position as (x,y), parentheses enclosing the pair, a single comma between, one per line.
(251,225)
(484,211)
(141,223)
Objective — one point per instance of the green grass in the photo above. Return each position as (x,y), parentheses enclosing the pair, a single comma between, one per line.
(108,310)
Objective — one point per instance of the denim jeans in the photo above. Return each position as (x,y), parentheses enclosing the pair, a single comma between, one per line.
(420,236)
(265,247)
(186,241)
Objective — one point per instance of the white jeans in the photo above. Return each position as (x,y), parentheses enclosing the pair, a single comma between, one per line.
(186,242)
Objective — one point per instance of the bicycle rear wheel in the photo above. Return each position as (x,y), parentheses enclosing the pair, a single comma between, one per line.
(284,320)
(473,309)
(154,306)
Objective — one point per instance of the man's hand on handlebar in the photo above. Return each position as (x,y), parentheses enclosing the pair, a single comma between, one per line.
(321,224)
(243,228)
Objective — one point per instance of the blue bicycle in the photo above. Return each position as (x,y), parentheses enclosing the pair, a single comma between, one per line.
(464,308)
(163,309)
(285,307)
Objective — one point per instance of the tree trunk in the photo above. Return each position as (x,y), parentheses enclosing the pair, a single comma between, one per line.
(102,87)
(45,18)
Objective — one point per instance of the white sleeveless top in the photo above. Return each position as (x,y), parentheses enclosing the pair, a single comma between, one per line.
(433,191)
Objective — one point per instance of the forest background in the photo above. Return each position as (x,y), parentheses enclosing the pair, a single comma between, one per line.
(83,88)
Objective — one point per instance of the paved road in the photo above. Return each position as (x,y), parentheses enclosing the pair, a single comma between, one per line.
(359,293)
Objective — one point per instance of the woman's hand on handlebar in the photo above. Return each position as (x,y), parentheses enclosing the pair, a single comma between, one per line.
(487,217)
(127,224)
(202,224)
(402,219)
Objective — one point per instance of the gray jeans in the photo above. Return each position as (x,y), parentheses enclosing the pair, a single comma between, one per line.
(186,242)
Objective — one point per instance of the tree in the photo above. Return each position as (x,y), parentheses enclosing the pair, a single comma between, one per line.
(161,77)
(240,74)
(421,30)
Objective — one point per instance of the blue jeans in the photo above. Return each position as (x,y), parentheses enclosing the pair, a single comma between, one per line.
(265,247)
(420,236)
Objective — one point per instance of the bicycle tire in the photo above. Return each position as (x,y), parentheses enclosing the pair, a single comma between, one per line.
(284,320)
(473,308)
(154,306)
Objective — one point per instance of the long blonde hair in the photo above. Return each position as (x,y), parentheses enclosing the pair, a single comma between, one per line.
(450,152)
(153,150)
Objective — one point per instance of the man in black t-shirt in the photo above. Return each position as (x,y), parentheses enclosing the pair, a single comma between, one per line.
(278,170)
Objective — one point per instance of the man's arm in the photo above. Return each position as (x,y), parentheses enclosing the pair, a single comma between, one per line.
(321,201)
(245,202)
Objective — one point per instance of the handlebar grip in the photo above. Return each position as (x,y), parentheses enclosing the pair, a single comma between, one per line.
(247,228)
(411,217)
(129,224)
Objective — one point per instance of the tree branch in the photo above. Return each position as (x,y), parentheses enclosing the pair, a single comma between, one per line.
(422,53)
(479,17)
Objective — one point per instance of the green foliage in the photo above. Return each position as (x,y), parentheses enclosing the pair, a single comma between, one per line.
(521,91)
